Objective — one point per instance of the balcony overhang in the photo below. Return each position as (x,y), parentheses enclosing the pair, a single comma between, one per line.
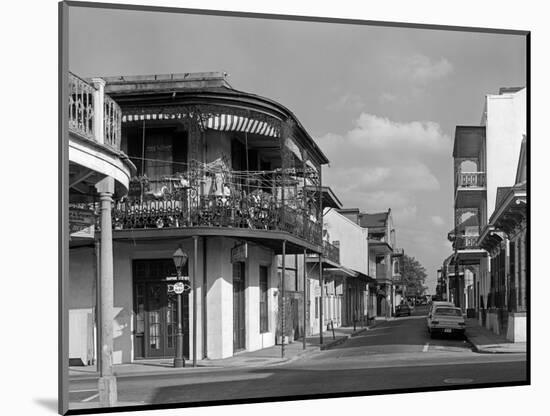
(341,270)
(469,197)
(512,212)
(269,239)
(329,199)
(326,262)
(379,247)
(470,256)
(468,141)
(90,162)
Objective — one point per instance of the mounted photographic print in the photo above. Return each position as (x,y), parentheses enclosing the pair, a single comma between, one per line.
(270,208)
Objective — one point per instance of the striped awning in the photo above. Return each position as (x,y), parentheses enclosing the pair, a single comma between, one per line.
(229,122)
(221,122)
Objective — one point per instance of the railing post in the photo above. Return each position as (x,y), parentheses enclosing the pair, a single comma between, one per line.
(99,93)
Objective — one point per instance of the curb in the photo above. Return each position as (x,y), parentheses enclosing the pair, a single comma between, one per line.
(480,350)
(342,340)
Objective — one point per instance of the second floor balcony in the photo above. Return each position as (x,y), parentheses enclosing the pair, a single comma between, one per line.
(467,242)
(469,189)
(244,212)
(470,180)
(94,140)
(331,252)
(93,115)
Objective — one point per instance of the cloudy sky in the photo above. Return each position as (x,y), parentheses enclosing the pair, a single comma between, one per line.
(381,102)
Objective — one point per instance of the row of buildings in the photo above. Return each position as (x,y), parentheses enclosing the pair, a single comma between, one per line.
(234,181)
(487,274)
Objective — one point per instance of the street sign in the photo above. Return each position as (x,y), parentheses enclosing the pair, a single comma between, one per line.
(239,253)
(81,223)
(179,287)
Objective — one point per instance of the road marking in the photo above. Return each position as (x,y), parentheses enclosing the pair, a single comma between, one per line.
(87,399)
(425,349)
(82,391)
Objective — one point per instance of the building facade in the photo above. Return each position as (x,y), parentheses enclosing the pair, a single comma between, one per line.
(344,298)
(505,238)
(231,178)
(386,289)
(485,158)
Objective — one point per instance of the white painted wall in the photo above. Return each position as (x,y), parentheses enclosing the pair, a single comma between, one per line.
(353,241)
(219,294)
(506,123)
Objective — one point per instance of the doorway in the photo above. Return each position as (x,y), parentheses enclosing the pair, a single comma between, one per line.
(155,310)
(239,333)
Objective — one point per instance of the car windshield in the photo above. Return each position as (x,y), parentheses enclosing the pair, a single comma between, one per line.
(448,312)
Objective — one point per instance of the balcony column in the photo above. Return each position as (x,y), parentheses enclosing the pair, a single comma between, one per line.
(523,282)
(305,299)
(517,273)
(99,106)
(107,382)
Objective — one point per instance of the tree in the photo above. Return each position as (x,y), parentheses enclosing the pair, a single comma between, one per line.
(413,275)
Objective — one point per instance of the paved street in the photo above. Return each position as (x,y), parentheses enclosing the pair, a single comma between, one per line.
(393,355)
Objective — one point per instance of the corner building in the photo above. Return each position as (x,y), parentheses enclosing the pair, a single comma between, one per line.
(233,179)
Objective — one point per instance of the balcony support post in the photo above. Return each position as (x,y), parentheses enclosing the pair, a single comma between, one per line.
(283,272)
(305,300)
(107,385)
(321,300)
(99,106)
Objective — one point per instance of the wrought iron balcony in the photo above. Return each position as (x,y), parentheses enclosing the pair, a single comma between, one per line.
(331,252)
(466,242)
(186,209)
(84,111)
(470,180)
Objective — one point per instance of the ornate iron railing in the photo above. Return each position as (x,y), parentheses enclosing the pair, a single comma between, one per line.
(470,179)
(331,252)
(112,118)
(186,209)
(467,242)
(83,109)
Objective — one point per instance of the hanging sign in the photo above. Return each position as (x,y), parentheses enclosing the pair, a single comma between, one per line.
(179,288)
(239,253)
(81,223)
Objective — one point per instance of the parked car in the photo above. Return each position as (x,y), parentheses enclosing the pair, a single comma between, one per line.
(403,309)
(438,303)
(446,320)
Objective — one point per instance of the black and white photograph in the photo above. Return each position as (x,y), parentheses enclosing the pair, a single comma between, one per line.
(265,207)
(274,208)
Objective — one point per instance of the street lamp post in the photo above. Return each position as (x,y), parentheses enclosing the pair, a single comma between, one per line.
(180,258)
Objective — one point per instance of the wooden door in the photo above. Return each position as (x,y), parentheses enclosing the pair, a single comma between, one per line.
(238,307)
(155,311)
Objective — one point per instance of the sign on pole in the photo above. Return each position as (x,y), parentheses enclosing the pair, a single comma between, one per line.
(179,287)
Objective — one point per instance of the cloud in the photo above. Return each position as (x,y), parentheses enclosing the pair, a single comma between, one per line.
(379,158)
(437,220)
(387,97)
(378,133)
(404,215)
(419,68)
(347,101)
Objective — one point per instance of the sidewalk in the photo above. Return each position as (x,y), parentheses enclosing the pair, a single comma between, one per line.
(486,341)
(265,357)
